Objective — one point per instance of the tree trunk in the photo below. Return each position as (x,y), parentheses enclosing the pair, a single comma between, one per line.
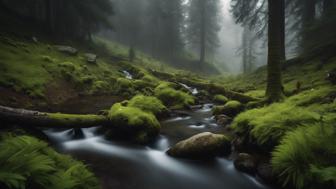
(49,120)
(307,21)
(274,91)
(203,33)
(327,5)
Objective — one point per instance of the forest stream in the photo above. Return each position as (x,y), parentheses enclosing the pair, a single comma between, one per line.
(124,166)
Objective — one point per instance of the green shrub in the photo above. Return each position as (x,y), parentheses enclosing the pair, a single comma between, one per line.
(269,124)
(220,99)
(306,157)
(26,161)
(133,123)
(173,98)
(148,104)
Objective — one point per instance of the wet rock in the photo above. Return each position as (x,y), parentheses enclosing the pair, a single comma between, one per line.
(331,76)
(231,108)
(203,145)
(90,58)
(78,134)
(179,113)
(245,163)
(223,120)
(264,171)
(195,107)
(67,50)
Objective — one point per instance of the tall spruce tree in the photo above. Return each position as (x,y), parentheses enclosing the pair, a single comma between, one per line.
(203,26)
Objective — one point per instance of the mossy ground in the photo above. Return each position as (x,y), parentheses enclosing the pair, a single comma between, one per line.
(299,131)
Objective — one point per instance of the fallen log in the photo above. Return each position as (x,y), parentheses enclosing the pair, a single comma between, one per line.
(49,120)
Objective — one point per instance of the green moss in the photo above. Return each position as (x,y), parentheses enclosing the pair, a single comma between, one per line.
(74,119)
(148,104)
(124,86)
(173,98)
(99,87)
(131,122)
(269,124)
(305,157)
(231,108)
(26,161)
(220,99)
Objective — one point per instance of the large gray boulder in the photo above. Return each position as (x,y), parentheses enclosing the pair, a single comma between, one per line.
(203,145)
(67,50)
(90,58)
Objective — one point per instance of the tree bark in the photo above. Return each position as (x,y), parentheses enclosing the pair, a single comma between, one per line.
(203,33)
(49,120)
(274,91)
(307,21)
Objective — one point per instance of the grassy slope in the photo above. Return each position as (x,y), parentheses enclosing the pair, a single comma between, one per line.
(33,73)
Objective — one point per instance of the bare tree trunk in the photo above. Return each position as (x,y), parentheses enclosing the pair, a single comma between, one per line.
(274,90)
(308,19)
(203,33)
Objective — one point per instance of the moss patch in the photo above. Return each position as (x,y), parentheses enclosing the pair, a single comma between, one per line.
(220,99)
(231,108)
(173,98)
(133,123)
(148,104)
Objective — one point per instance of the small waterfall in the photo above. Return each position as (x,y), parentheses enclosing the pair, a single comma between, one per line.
(127,74)
(193,91)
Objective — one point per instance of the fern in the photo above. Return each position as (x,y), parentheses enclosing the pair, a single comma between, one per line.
(24,159)
(300,149)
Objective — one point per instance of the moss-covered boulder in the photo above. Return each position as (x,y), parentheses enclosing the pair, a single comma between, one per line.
(173,98)
(149,104)
(220,99)
(203,145)
(132,123)
(231,108)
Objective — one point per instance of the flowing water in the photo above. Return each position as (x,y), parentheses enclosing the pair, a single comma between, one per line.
(125,166)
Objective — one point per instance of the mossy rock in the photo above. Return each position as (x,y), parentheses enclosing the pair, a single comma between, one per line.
(203,145)
(124,86)
(231,108)
(173,98)
(149,104)
(132,123)
(220,99)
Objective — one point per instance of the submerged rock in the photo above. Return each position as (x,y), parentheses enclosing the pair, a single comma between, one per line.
(90,58)
(245,163)
(67,50)
(203,145)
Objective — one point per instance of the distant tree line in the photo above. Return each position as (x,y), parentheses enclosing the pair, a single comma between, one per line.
(168,29)
(65,18)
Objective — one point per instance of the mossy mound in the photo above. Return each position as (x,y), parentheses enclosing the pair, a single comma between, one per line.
(268,125)
(148,104)
(173,98)
(220,99)
(132,123)
(27,162)
(204,145)
(231,108)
